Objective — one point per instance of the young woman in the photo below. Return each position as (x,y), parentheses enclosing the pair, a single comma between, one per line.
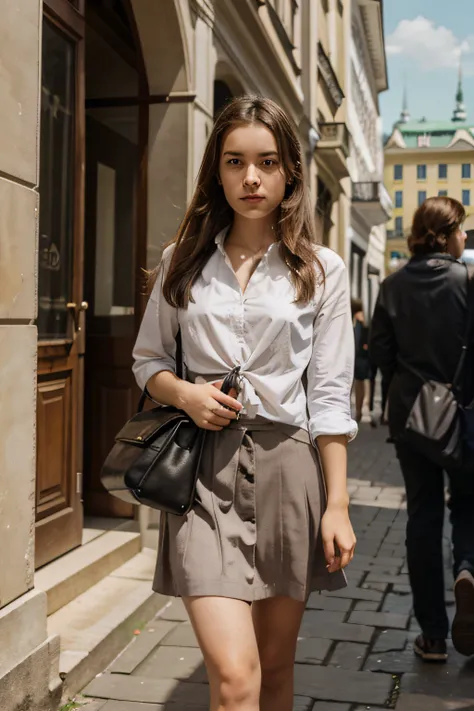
(419,325)
(248,288)
(362,369)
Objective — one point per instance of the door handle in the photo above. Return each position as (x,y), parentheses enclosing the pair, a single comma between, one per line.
(75,311)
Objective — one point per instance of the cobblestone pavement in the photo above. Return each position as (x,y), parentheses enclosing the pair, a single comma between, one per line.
(355,647)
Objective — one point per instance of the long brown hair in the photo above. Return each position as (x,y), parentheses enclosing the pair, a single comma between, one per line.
(435,221)
(209,212)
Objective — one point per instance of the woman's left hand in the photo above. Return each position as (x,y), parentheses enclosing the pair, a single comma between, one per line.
(338,538)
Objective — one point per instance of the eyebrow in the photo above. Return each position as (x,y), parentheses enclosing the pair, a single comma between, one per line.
(266,154)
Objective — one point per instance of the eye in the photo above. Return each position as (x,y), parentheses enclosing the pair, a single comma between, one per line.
(233,161)
(269,162)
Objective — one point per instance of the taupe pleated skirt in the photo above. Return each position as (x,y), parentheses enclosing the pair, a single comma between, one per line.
(254,531)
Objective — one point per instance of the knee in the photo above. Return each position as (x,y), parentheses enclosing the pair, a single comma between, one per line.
(277,669)
(239,684)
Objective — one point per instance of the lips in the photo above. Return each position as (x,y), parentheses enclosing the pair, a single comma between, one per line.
(253,198)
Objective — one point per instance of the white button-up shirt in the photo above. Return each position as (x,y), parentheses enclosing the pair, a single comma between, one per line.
(273,340)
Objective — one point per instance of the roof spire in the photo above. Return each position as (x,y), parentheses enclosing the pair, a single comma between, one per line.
(460,113)
(405,114)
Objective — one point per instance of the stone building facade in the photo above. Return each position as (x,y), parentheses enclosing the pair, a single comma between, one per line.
(106,108)
(371,205)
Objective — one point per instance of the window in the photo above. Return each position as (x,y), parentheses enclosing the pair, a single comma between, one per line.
(398,172)
(466,171)
(421,197)
(399,225)
(399,198)
(56,242)
(442,171)
(442,193)
(466,198)
(421,172)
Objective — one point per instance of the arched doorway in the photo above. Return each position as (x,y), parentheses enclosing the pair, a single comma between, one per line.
(114,237)
(115,111)
(226,86)
(92,146)
(222,95)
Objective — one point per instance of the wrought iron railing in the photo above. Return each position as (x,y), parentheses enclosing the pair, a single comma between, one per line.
(366,192)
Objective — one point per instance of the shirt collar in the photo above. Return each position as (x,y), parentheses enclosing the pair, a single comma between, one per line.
(220,239)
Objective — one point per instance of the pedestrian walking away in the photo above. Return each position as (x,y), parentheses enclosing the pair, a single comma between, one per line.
(418,335)
(249,289)
(362,367)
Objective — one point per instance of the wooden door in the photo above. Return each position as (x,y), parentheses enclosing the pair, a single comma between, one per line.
(111,395)
(60,319)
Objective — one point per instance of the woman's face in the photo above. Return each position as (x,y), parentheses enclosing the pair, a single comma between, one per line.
(457,243)
(251,171)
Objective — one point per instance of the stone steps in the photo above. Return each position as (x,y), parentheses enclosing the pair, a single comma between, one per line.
(97,595)
(96,625)
(102,552)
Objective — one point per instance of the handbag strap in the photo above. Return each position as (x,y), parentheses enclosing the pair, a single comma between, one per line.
(179,372)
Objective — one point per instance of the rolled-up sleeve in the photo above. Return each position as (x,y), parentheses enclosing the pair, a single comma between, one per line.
(155,347)
(331,368)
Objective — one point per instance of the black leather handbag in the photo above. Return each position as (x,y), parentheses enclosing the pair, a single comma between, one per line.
(156,456)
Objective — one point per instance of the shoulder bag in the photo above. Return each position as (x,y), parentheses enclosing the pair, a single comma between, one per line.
(156,456)
(438,424)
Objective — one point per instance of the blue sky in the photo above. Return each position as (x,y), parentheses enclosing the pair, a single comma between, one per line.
(425,39)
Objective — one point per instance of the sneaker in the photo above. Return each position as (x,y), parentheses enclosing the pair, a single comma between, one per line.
(463,625)
(431,650)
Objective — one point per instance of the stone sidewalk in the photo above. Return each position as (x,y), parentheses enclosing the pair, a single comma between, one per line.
(355,646)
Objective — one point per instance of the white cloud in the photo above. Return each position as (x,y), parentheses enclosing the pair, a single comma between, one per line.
(431,46)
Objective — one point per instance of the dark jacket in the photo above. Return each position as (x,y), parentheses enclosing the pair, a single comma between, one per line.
(419,320)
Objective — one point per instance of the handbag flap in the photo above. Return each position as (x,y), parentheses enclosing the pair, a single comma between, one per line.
(144,427)
(434,411)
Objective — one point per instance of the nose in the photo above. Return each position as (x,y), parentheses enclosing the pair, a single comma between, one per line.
(251,176)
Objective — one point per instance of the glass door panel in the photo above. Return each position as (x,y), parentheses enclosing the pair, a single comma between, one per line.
(56,223)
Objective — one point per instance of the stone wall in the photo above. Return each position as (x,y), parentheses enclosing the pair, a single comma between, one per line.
(26,677)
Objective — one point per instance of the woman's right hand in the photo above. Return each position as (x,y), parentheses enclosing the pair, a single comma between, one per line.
(206,406)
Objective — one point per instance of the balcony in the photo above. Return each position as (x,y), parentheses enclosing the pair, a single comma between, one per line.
(283,16)
(372,201)
(333,147)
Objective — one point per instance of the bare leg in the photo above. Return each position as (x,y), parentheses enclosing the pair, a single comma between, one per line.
(226,636)
(277,622)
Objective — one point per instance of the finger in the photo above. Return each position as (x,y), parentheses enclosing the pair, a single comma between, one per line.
(227,400)
(221,411)
(232,392)
(205,425)
(218,421)
(329,552)
(345,558)
(336,565)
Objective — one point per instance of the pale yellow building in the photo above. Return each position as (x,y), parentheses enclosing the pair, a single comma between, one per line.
(423,159)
